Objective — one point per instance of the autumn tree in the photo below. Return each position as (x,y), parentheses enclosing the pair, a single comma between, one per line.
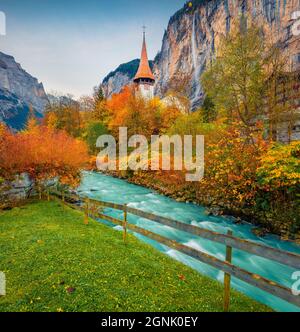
(230,170)
(117,108)
(279,182)
(63,113)
(168,116)
(43,153)
(143,117)
(99,112)
(235,80)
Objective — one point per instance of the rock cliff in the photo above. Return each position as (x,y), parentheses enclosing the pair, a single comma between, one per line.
(18,92)
(193,36)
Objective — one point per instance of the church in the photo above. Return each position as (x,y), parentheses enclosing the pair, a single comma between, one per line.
(144,79)
(144,83)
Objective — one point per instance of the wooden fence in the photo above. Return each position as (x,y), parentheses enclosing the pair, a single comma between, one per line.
(94,209)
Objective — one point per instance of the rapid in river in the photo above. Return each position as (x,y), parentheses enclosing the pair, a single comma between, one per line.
(102,187)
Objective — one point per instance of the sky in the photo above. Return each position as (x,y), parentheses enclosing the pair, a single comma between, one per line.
(71,45)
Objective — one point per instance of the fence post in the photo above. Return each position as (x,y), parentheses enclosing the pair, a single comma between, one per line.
(40,192)
(86,212)
(48,195)
(125,225)
(227,277)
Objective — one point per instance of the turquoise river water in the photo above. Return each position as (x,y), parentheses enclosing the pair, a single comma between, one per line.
(106,188)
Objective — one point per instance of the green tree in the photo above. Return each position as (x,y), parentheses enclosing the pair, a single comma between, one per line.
(235,80)
(98,94)
(93,131)
(208,110)
(99,110)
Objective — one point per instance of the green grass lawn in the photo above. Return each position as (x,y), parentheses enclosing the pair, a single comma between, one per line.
(53,262)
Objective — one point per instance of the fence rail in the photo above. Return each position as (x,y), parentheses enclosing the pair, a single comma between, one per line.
(92,209)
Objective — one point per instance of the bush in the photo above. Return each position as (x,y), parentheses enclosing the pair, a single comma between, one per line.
(43,153)
(280,169)
(279,181)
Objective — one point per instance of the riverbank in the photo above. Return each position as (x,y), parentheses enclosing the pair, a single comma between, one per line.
(173,185)
(65,265)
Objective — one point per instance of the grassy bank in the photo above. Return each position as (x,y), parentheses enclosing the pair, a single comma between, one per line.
(53,262)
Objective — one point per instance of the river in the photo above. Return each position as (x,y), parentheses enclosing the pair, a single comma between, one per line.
(106,188)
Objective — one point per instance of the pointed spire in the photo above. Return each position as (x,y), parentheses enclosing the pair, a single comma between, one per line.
(144,70)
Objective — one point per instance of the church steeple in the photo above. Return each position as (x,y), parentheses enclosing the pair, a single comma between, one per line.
(144,79)
(144,71)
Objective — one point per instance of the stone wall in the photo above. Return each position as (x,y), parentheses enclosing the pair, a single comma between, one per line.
(18,189)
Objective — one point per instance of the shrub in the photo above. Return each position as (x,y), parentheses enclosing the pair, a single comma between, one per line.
(43,153)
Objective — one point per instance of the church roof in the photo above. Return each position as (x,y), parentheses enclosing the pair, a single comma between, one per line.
(144,70)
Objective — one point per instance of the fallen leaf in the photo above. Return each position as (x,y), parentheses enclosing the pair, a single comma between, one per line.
(182,277)
(71,290)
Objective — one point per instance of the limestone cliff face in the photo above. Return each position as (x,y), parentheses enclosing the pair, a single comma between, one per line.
(115,83)
(18,92)
(193,35)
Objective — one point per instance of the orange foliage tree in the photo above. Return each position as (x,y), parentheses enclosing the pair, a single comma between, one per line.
(43,153)
(117,107)
(230,170)
(140,116)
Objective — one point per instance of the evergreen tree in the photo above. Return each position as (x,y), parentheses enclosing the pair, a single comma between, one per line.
(208,110)
(98,94)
